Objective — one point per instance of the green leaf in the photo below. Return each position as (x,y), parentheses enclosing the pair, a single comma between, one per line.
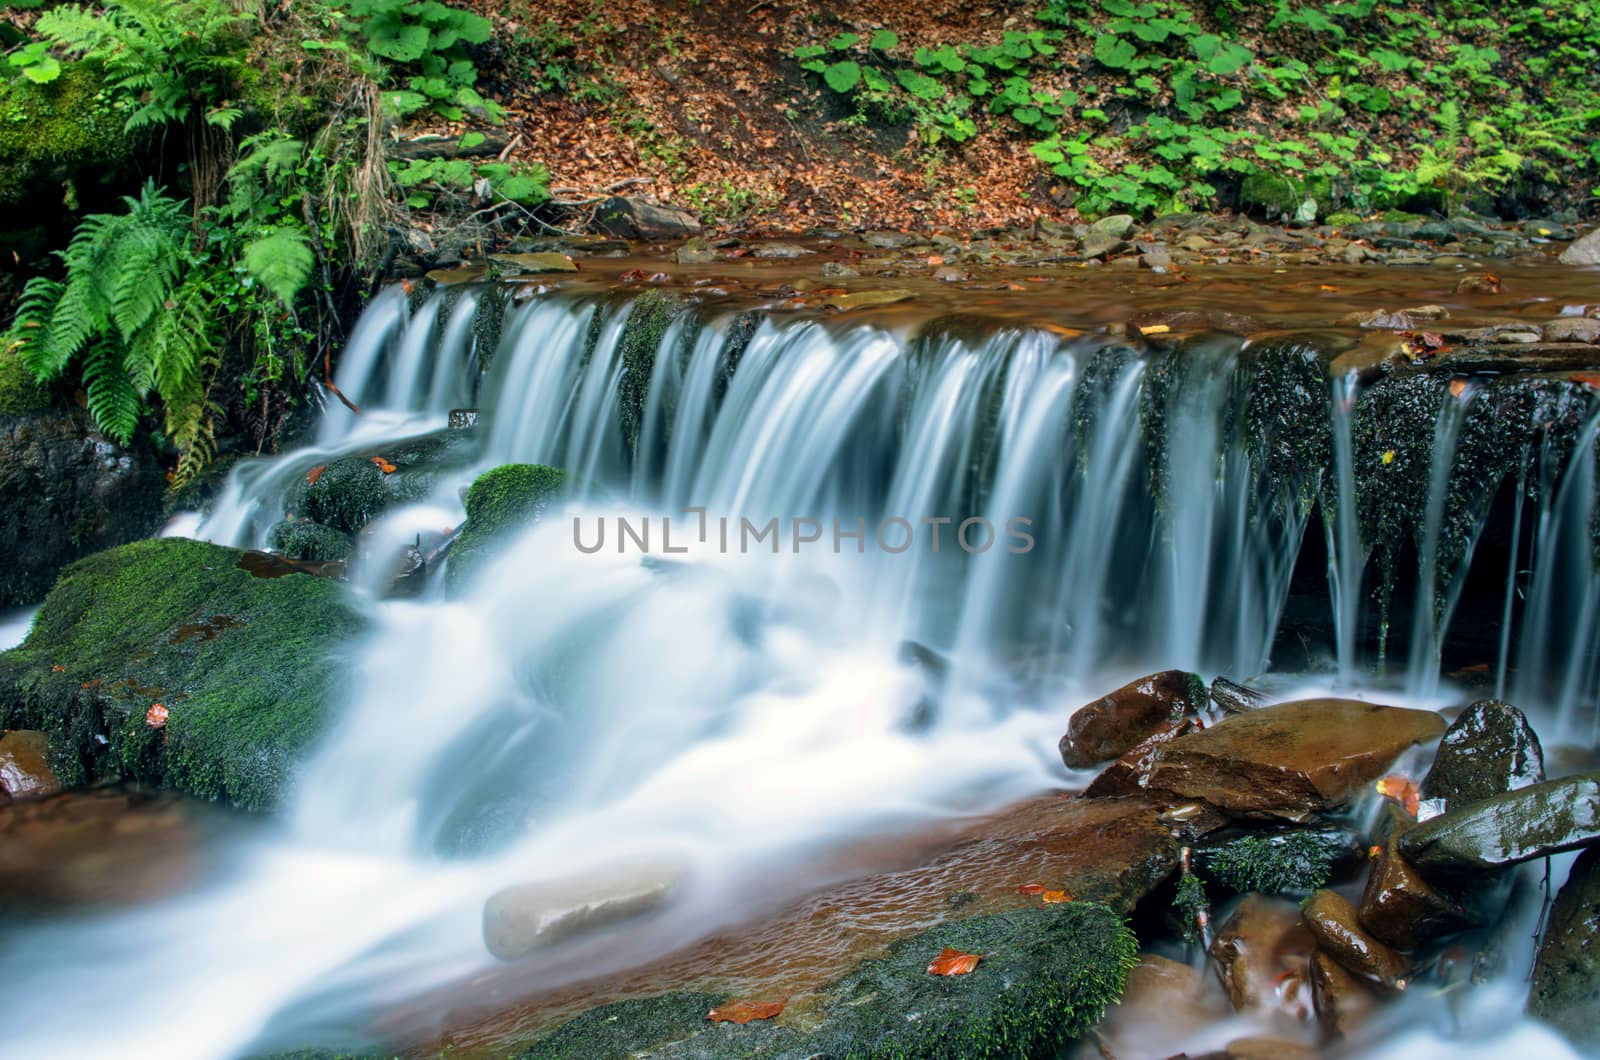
(843,76)
(471,140)
(399,42)
(883,39)
(845,41)
(920,85)
(281,262)
(1114,52)
(43,72)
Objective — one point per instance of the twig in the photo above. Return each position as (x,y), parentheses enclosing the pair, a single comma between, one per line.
(351,405)
(627,182)
(512,146)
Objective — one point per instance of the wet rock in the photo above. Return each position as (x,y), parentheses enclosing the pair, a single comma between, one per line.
(1586,251)
(838,270)
(1129,773)
(1292,861)
(1262,1047)
(1507,829)
(499,503)
(243,665)
(697,251)
(1234,698)
(1159,322)
(1398,320)
(1340,935)
(348,493)
(1573,329)
(1162,1005)
(463,419)
(66,492)
(1341,1001)
(625,218)
(1047,975)
(1490,749)
(1566,975)
(304,540)
(1252,945)
(1400,907)
(1155,256)
(1494,335)
(892,240)
(1291,759)
(1116,723)
(522,920)
(541,261)
(780,251)
(25,771)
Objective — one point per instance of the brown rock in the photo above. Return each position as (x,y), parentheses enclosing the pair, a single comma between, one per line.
(1292,759)
(1162,1005)
(1264,938)
(1128,774)
(1566,976)
(1400,907)
(1262,1047)
(1342,1003)
(25,771)
(1575,329)
(1116,723)
(1333,921)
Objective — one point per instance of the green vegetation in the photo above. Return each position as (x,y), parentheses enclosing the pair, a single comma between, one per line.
(499,503)
(240,662)
(1046,977)
(1388,105)
(1290,862)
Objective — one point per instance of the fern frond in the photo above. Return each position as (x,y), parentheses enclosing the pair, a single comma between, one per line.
(143,268)
(111,398)
(281,262)
(30,331)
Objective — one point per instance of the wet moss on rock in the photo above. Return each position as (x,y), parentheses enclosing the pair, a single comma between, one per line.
(244,665)
(20,393)
(1287,428)
(67,123)
(1046,977)
(648,320)
(1295,861)
(499,503)
(352,491)
(304,540)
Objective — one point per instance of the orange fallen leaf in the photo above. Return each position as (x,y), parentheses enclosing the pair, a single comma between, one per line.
(156,717)
(1458,387)
(315,473)
(935,259)
(1055,897)
(1374,852)
(1402,790)
(1329,287)
(745,1011)
(1588,379)
(58,669)
(1154,329)
(383,465)
(953,962)
(1031,888)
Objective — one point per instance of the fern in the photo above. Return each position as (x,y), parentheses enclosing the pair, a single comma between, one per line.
(281,262)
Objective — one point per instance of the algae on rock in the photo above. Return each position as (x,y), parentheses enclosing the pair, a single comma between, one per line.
(500,502)
(244,666)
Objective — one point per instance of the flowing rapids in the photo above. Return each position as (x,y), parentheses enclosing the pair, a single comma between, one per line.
(729,716)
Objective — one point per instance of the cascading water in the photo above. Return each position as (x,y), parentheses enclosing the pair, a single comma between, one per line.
(569,709)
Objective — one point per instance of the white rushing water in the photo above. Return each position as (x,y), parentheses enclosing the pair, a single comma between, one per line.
(718,715)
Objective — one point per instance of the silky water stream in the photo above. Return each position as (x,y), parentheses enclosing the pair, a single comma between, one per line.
(741,714)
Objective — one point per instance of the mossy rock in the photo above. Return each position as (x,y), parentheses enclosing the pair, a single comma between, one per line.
(303,540)
(350,492)
(69,122)
(1047,975)
(1294,861)
(20,393)
(652,313)
(500,502)
(245,666)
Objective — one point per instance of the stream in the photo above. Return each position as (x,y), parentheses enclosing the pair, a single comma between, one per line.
(755,722)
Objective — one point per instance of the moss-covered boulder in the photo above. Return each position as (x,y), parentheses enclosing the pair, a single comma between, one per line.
(242,665)
(1293,861)
(49,131)
(304,540)
(19,392)
(348,493)
(1047,975)
(499,503)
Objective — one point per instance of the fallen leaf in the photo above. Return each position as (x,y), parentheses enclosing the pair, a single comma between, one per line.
(156,716)
(57,669)
(1374,852)
(935,259)
(1328,287)
(1588,379)
(1055,897)
(1458,387)
(384,465)
(745,1011)
(953,962)
(315,473)
(1402,790)
(1154,329)
(1388,457)
(1031,888)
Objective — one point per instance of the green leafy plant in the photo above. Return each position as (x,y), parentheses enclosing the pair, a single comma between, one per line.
(421,44)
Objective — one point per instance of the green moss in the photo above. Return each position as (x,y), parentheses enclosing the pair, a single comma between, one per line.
(1297,861)
(19,391)
(309,541)
(1190,901)
(1341,219)
(70,121)
(500,502)
(1047,975)
(487,320)
(648,320)
(1287,430)
(244,665)
(350,492)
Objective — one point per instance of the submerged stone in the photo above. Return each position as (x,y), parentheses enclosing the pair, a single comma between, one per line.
(25,771)
(1046,976)
(1119,721)
(1507,829)
(521,920)
(1292,759)
(1340,1000)
(1490,749)
(1250,947)
(304,540)
(1340,935)
(1566,975)
(241,666)
(1585,251)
